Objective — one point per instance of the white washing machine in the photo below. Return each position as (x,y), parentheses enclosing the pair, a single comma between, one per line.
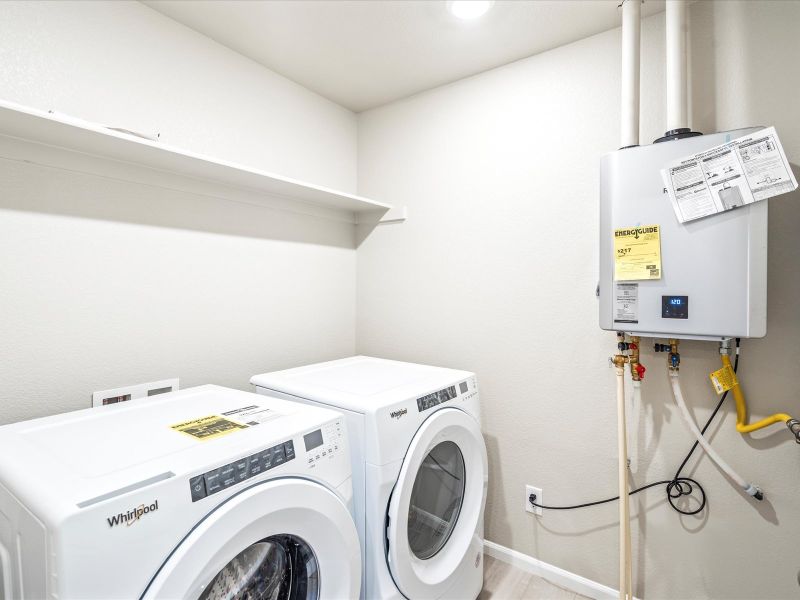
(203,493)
(419,469)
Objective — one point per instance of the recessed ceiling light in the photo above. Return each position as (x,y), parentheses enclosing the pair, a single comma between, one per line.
(469,9)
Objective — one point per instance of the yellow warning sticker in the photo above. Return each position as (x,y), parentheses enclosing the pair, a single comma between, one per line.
(723,380)
(208,428)
(637,253)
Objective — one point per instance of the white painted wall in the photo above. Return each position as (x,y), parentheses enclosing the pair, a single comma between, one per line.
(495,272)
(104,283)
(122,64)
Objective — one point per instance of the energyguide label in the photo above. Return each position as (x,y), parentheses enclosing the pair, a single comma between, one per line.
(208,428)
(637,253)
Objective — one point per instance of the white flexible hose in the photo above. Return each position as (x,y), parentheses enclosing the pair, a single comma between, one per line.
(690,423)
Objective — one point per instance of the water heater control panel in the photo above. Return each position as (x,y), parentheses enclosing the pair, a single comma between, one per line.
(675,307)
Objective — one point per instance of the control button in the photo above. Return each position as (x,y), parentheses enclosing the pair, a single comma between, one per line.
(289,449)
(254,465)
(227,475)
(213,481)
(242,472)
(278,455)
(266,459)
(198,487)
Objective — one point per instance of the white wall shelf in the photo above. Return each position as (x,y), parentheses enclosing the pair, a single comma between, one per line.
(60,141)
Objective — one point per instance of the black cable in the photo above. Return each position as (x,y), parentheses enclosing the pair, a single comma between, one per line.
(677,486)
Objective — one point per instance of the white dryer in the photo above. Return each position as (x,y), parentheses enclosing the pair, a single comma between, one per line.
(419,469)
(203,493)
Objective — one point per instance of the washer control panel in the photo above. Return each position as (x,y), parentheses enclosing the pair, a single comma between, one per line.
(240,470)
(321,444)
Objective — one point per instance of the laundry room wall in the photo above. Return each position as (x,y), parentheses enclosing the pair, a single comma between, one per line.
(495,272)
(105,283)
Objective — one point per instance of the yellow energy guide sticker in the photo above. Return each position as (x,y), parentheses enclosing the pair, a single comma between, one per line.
(723,380)
(208,428)
(637,253)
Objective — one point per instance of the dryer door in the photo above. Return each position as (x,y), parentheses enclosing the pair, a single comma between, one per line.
(435,520)
(287,539)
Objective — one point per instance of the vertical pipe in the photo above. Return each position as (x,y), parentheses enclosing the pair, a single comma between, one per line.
(677,114)
(625,567)
(631,36)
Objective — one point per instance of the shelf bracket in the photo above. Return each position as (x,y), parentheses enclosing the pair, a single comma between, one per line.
(397,214)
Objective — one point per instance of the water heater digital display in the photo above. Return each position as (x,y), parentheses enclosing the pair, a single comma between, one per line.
(674,307)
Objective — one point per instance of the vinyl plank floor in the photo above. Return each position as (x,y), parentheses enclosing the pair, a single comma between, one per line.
(501,581)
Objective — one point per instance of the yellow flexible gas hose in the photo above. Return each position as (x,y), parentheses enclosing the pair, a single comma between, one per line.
(741,407)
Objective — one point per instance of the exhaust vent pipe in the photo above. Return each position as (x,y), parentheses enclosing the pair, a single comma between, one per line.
(631,50)
(677,75)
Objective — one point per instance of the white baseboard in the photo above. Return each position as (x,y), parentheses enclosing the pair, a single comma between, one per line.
(553,574)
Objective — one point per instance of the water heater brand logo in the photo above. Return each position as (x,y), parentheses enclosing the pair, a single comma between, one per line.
(396,414)
(133,515)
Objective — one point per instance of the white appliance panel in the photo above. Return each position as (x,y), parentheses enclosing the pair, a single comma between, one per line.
(716,267)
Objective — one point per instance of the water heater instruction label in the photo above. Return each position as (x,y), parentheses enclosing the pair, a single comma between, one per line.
(745,170)
(626,303)
(637,253)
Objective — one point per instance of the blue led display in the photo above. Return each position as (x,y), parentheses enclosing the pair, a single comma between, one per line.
(674,307)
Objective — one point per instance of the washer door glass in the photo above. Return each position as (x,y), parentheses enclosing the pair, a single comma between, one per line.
(436,499)
(280,567)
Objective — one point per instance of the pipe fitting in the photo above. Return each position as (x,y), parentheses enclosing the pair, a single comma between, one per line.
(794,427)
(674,357)
(637,369)
(755,491)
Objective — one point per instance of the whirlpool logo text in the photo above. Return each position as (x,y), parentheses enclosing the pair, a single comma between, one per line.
(133,515)
(396,414)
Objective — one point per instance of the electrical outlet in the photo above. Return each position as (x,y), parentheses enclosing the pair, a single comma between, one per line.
(529,489)
(132,392)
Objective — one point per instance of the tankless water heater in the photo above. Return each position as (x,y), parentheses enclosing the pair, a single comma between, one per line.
(707,279)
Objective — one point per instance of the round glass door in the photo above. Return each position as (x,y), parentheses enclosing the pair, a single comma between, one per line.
(280,567)
(434,521)
(436,499)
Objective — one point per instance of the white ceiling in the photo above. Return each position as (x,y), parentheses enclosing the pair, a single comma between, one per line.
(363,54)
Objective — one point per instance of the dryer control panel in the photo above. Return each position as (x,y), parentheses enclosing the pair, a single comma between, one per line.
(223,477)
(321,444)
(465,388)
